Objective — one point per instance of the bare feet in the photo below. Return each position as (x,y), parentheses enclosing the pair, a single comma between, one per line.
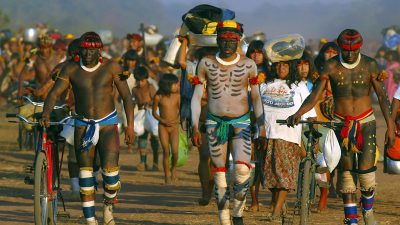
(168,180)
(174,178)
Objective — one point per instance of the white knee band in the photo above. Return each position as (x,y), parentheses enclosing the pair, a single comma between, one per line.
(220,179)
(367,181)
(346,182)
(242,173)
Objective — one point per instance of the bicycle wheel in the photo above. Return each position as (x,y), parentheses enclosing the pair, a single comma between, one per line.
(43,211)
(305,193)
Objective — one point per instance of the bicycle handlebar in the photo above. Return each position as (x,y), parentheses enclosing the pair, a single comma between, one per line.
(310,122)
(41,104)
(25,120)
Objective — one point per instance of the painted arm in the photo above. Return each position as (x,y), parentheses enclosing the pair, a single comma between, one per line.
(256,101)
(123,90)
(310,101)
(196,98)
(383,103)
(196,103)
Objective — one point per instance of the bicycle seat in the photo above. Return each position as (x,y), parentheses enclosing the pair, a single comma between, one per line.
(315,133)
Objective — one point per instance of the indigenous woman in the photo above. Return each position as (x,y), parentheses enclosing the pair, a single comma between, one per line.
(281,95)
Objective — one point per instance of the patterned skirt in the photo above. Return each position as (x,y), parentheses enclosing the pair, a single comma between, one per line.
(281,164)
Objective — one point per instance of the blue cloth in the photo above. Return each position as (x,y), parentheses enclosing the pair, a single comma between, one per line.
(309,85)
(92,128)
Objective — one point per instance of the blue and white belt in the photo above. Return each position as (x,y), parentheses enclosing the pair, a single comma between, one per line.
(92,128)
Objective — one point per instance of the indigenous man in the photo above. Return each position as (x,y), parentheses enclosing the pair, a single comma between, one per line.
(92,82)
(351,76)
(228,75)
(40,65)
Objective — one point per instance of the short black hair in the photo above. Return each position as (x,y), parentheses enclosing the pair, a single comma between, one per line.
(140,73)
(166,82)
(130,55)
(292,78)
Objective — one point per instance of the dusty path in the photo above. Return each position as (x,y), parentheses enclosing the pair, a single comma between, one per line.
(145,200)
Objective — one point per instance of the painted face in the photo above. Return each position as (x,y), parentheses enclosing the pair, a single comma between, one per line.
(227,46)
(282,69)
(330,53)
(258,57)
(90,56)
(350,56)
(303,68)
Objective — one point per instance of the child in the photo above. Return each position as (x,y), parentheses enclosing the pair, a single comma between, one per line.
(144,94)
(168,101)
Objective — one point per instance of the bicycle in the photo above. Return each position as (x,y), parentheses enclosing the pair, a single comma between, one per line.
(26,137)
(306,183)
(47,168)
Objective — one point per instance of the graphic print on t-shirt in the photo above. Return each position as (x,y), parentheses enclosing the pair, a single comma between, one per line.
(278,95)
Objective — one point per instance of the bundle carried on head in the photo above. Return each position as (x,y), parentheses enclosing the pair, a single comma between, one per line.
(203,19)
(285,48)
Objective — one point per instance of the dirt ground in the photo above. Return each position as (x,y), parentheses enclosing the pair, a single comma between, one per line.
(144,199)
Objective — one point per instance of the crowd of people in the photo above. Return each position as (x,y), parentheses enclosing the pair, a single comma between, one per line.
(226,97)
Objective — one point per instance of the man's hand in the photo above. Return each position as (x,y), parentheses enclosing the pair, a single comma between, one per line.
(182,38)
(44,121)
(196,139)
(129,135)
(262,140)
(293,120)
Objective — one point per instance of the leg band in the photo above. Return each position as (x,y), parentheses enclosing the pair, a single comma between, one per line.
(86,181)
(367,202)
(222,196)
(350,214)
(372,169)
(88,210)
(346,183)
(367,181)
(111,182)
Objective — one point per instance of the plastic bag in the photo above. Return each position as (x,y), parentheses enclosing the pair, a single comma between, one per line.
(138,127)
(285,48)
(182,150)
(150,123)
(68,132)
(331,150)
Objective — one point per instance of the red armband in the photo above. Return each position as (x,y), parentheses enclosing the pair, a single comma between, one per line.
(323,78)
(194,80)
(328,93)
(258,79)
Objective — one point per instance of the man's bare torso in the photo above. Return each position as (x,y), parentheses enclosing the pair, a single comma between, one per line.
(93,91)
(227,86)
(351,88)
(43,67)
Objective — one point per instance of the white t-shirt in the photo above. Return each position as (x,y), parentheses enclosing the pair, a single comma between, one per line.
(280,102)
(397,93)
(191,67)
